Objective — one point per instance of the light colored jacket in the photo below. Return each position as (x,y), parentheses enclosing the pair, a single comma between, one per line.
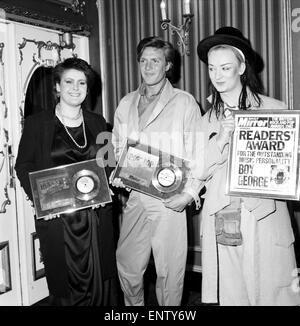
(274,212)
(171,127)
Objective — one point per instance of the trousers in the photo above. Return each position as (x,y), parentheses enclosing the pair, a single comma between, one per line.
(148,225)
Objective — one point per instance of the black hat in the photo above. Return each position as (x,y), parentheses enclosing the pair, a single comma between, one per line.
(234,37)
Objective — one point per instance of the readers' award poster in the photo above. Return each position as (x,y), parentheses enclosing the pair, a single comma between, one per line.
(263,158)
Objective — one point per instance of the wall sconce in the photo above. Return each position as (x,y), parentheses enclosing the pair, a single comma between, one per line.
(183,30)
(66,40)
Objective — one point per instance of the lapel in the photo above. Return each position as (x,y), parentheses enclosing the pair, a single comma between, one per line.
(133,117)
(166,95)
(47,137)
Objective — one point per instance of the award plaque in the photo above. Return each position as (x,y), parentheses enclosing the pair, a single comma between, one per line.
(264,154)
(68,188)
(151,171)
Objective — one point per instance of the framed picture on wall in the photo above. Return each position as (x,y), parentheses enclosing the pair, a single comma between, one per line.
(264,157)
(5,271)
(38,267)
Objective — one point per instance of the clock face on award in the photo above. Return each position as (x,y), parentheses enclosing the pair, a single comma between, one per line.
(166,177)
(85,184)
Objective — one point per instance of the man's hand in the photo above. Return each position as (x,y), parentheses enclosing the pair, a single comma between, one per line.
(178,202)
(117,182)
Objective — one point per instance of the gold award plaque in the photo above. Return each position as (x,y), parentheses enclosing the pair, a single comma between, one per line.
(151,171)
(69,187)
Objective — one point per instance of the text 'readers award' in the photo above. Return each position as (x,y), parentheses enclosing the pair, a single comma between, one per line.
(264,158)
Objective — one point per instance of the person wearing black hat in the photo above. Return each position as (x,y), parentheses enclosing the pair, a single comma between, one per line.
(252,263)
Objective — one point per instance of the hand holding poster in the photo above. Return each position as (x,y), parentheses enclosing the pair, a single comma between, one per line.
(263,158)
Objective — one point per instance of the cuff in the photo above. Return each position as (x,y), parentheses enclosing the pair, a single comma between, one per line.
(195,197)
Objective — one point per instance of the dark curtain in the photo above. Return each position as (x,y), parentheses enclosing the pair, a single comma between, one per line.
(40,92)
(123,23)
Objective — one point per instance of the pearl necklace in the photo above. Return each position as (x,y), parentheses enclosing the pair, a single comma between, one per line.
(74,118)
(69,134)
(58,111)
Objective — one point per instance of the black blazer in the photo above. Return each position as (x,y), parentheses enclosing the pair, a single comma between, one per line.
(33,155)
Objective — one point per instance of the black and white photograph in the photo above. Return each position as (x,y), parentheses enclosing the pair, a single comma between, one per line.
(150,156)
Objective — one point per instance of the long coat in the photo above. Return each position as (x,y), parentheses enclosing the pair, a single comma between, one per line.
(33,155)
(270,230)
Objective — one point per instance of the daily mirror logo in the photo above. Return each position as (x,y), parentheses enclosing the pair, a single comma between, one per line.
(253,122)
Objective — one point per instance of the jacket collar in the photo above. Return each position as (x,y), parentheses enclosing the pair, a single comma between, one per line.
(165,96)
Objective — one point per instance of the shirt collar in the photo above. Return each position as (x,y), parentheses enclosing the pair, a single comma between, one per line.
(142,88)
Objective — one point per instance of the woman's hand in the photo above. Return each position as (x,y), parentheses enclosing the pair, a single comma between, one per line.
(226,130)
(50,217)
(178,202)
(98,205)
(117,182)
